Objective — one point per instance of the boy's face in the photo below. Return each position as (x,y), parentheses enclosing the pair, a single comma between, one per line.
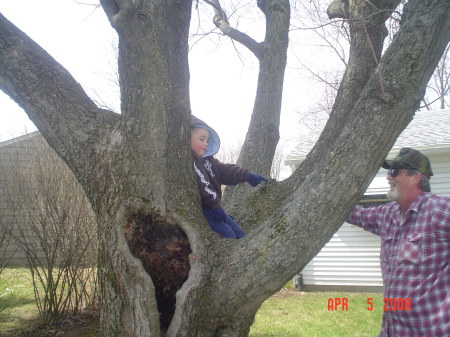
(199,141)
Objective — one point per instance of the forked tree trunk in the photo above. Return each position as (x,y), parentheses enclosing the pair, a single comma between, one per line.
(136,167)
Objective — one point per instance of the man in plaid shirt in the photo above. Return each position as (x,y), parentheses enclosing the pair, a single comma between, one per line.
(415,249)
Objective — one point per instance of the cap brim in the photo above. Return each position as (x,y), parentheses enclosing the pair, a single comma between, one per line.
(387,164)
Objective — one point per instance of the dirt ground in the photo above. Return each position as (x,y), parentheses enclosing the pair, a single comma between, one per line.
(86,324)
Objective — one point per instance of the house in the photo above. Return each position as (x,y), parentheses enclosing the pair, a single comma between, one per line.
(350,260)
(15,156)
(39,199)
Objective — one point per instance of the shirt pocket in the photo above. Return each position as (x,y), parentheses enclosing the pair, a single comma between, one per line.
(410,249)
(386,249)
(442,237)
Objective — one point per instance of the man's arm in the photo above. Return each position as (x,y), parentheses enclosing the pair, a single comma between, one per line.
(366,218)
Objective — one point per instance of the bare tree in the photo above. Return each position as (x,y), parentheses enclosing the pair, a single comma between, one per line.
(438,88)
(334,37)
(331,40)
(277,163)
(136,167)
(230,154)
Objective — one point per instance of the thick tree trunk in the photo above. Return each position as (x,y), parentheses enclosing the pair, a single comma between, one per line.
(153,170)
(136,168)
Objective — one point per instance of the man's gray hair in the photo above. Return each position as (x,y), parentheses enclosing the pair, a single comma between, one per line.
(424,183)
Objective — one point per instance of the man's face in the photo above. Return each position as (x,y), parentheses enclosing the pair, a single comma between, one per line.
(402,185)
(199,141)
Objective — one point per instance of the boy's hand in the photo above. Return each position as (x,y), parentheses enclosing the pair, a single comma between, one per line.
(254,179)
(217,214)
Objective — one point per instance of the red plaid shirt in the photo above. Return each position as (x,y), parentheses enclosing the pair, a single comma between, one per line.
(415,263)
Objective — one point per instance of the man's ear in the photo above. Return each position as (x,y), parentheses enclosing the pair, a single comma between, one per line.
(417,178)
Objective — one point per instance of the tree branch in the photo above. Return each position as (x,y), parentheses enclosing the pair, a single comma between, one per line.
(221,21)
(53,100)
(246,41)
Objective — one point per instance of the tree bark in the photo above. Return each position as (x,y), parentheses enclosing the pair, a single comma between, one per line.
(136,167)
(263,134)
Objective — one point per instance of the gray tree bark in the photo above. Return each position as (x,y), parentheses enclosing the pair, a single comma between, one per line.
(136,167)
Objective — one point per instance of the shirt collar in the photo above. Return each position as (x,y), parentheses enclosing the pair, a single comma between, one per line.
(417,202)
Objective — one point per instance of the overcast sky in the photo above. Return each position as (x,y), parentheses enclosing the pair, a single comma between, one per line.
(223,82)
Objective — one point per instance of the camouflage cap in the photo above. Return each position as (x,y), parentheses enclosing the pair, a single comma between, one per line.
(410,159)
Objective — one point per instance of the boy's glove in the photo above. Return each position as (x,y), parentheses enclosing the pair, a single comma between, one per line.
(217,214)
(254,179)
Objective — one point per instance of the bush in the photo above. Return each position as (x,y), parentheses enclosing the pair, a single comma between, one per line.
(54,226)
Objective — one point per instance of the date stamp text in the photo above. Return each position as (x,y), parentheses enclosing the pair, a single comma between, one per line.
(390,304)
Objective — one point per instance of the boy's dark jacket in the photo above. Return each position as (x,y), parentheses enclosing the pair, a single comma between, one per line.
(211,173)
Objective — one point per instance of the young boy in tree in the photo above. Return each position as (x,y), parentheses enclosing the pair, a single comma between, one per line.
(211,174)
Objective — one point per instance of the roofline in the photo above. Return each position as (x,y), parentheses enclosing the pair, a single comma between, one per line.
(20,138)
(437,148)
(434,149)
(427,150)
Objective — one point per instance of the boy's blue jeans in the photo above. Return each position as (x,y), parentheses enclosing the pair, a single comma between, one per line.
(228,229)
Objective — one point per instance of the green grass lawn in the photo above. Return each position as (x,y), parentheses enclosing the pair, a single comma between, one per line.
(17,305)
(286,314)
(306,314)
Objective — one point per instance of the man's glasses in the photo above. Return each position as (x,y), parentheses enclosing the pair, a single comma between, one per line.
(393,172)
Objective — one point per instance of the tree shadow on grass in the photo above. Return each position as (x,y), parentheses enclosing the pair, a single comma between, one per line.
(11,301)
(15,308)
(86,324)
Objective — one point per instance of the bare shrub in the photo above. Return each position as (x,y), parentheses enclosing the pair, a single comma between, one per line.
(6,248)
(229,154)
(56,230)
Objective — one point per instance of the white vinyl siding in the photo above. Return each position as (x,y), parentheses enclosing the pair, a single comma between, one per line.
(440,182)
(351,258)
